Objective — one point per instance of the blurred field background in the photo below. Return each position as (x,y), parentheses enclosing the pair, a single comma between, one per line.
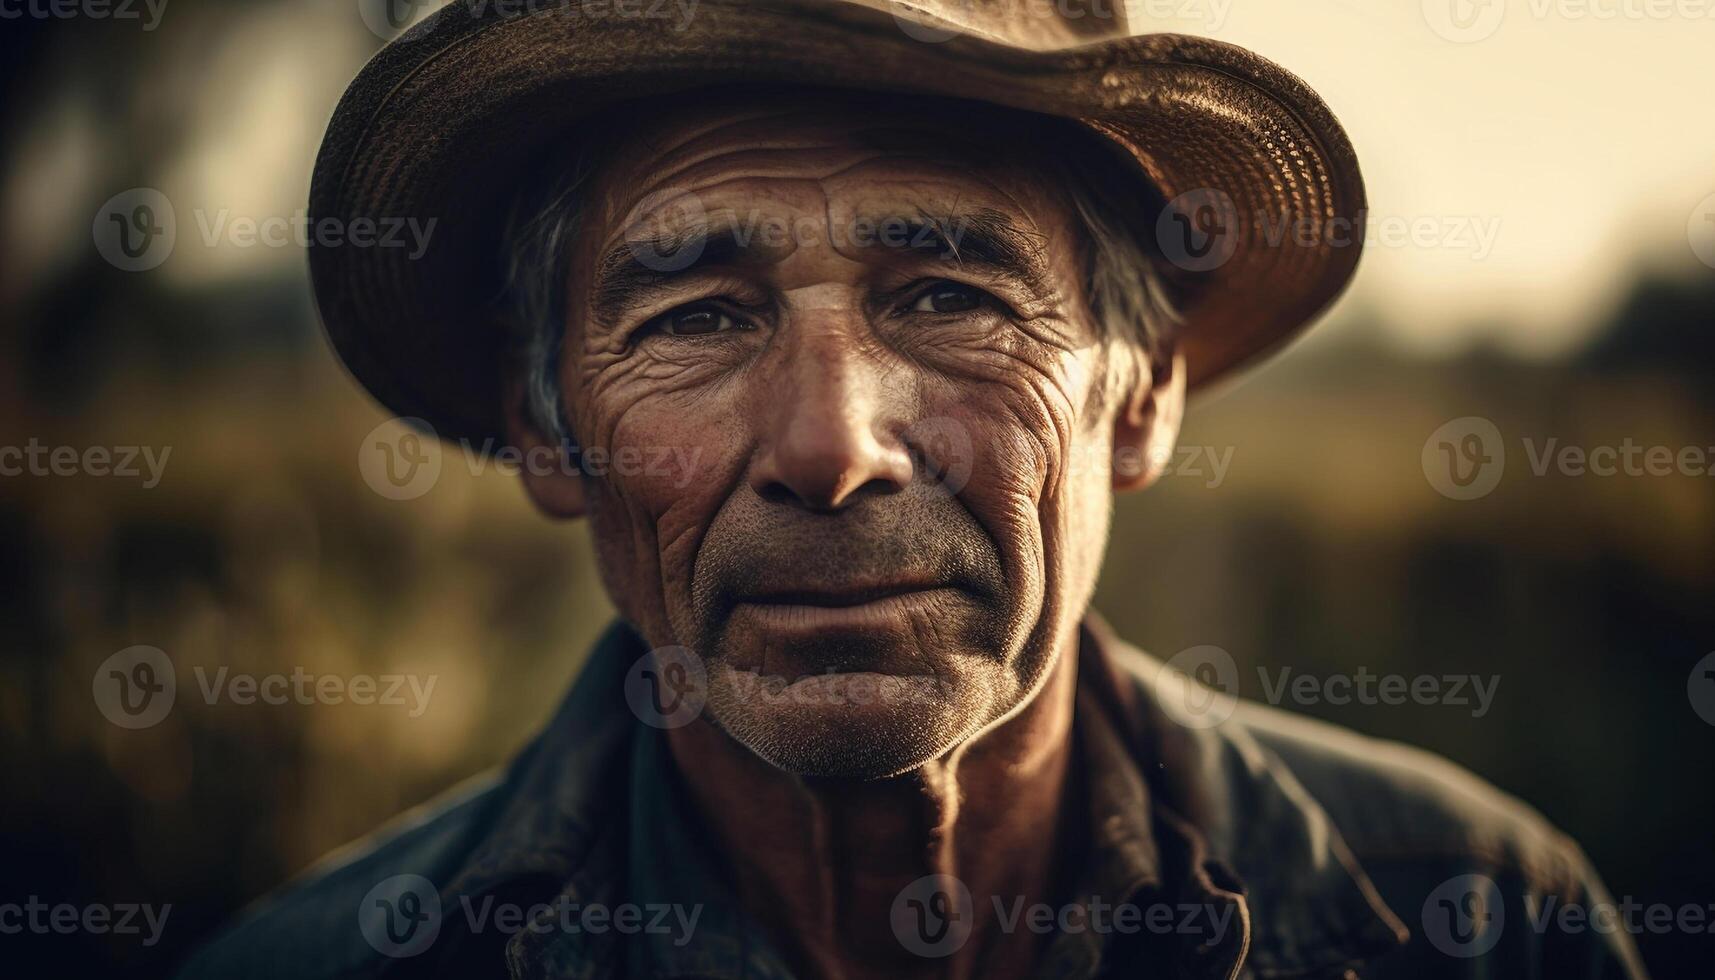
(1588,145)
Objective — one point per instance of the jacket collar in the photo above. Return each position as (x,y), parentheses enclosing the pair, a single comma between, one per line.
(1310,904)
(1250,828)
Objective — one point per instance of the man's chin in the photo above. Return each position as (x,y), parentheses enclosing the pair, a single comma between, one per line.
(849,725)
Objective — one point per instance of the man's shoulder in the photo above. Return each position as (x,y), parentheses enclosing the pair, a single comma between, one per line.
(1393,802)
(310,926)
(1430,836)
(1390,802)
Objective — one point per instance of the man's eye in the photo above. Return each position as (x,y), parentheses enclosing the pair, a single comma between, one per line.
(695,321)
(948,297)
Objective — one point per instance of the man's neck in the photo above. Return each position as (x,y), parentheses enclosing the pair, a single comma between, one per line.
(821,862)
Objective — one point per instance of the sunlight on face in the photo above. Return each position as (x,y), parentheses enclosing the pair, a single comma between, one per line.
(868,327)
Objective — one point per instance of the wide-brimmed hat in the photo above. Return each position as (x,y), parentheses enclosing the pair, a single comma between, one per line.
(1263,218)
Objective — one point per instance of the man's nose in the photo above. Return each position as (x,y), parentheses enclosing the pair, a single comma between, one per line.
(830,436)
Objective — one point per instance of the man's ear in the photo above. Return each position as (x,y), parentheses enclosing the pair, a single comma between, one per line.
(549,470)
(1147,426)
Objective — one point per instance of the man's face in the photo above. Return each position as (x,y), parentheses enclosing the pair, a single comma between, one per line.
(854,341)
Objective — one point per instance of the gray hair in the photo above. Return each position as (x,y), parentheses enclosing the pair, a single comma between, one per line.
(1124,285)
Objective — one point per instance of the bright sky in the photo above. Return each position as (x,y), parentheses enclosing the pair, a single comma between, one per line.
(1579,135)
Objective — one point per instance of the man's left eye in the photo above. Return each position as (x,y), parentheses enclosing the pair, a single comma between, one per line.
(695,321)
(948,297)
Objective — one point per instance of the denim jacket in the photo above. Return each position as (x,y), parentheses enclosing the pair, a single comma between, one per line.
(1235,843)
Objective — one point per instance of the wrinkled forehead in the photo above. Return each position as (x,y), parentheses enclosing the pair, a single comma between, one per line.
(863,154)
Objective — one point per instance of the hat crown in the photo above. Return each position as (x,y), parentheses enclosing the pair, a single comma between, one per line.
(1034,24)
(445,120)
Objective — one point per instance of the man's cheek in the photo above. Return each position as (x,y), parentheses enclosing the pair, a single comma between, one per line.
(674,474)
(644,554)
(1021,448)
(1005,486)
(664,461)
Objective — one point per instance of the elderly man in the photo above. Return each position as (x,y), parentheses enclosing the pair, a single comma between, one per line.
(909,294)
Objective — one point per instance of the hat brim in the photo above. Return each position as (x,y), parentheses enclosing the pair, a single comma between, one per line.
(441,123)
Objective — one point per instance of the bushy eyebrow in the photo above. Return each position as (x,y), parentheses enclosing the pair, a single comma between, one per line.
(631,267)
(983,239)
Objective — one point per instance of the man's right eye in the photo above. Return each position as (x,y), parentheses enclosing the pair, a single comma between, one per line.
(695,321)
